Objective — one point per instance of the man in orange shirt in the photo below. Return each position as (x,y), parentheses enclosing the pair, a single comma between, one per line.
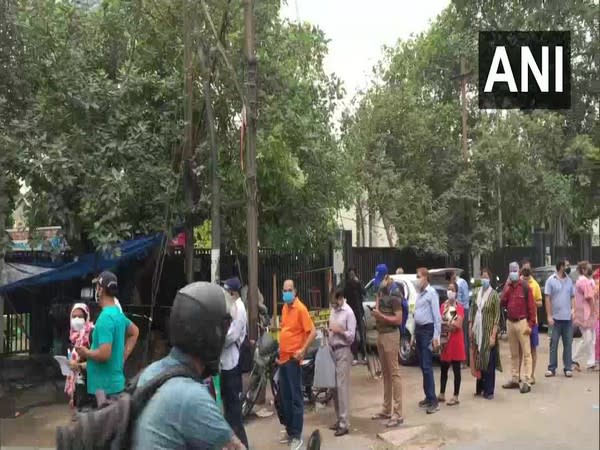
(297,333)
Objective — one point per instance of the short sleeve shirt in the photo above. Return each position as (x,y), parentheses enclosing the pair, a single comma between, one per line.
(560,290)
(181,415)
(295,326)
(389,304)
(111,328)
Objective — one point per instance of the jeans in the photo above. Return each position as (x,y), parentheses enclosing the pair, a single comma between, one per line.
(231,393)
(292,399)
(562,329)
(466,339)
(485,385)
(423,337)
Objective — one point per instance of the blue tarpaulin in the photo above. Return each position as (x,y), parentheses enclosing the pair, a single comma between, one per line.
(88,264)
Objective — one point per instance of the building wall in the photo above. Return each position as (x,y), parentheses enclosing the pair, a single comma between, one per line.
(347,221)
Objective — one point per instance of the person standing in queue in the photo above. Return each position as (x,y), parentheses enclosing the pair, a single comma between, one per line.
(342,326)
(231,372)
(354,293)
(297,333)
(537,297)
(452,343)
(560,308)
(388,318)
(517,298)
(113,340)
(428,326)
(484,326)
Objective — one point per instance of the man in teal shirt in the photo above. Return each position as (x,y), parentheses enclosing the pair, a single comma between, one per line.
(113,340)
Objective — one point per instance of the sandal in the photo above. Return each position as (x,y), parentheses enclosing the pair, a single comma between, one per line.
(380,416)
(577,366)
(453,401)
(441,398)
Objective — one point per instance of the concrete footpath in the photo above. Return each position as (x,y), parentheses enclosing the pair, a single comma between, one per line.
(559,413)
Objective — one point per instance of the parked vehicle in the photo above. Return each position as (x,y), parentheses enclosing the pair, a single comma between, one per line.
(265,369)
(408,353)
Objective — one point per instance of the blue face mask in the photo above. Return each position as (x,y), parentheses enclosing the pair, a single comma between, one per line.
(288,297)
(485,283)
(514,276)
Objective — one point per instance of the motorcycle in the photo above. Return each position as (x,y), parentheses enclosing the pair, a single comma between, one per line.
(265,369)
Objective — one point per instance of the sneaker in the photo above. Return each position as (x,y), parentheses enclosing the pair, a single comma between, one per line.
(432,409)
(525,388)
(424,403)
(394,422)
(284,440)
(510,385)
(549,373)
(488,396)
(568,373)
(296,444)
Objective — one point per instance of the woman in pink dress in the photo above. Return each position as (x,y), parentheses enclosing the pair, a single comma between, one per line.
(452,342)
(585,317)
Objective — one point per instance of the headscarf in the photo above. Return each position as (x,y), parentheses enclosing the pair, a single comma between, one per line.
(79,338)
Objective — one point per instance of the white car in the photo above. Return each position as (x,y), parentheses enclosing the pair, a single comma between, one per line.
(408,354)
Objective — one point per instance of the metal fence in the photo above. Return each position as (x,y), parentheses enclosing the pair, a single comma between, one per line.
(16,333)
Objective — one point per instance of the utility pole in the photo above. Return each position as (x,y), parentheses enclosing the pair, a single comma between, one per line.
(188,151)
(251,185)
(215,219)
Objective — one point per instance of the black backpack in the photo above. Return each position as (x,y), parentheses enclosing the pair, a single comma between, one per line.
(245,360)
(111,426)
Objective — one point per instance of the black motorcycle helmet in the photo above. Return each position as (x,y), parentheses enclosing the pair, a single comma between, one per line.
(199,322)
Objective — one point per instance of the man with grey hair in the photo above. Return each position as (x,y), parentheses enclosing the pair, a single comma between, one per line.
(521,312)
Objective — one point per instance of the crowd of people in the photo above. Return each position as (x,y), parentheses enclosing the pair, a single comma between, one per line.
(208,329)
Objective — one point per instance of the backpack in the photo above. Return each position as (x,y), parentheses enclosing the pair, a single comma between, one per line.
(111,426)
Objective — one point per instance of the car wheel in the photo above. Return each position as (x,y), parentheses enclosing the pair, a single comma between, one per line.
(408,354)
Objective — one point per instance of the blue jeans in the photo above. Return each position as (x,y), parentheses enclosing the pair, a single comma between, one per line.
(562,329)
(292,400)
(423,337)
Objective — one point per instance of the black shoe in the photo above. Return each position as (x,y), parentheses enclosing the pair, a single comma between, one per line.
(525,388)
(334,427)
(424,404)
(510,385)
(340,432)
(432,409)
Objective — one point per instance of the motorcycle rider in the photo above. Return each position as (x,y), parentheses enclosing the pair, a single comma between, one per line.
(182,413)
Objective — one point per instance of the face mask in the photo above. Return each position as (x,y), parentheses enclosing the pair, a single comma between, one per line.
(288,297)
(568,270)
(485,283)
(451,295)
(77,323)
(514,276)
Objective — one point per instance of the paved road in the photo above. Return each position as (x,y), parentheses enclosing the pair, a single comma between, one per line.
(559,413)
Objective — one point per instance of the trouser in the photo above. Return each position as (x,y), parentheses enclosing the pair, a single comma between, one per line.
(360,336)
(231,394)
(520,343)
(445,365)
(388,348)
(486,384)
(563,329)
(341,393)
(585,350)
(424,337)
(292,400)
(466,338)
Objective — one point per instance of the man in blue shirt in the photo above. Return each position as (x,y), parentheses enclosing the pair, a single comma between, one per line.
(113,340)
(182,413)
(428,327)
(560,306)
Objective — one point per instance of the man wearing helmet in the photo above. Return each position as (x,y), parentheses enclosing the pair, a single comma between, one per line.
(182,413)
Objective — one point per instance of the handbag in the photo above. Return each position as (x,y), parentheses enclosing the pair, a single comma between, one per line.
(324,367)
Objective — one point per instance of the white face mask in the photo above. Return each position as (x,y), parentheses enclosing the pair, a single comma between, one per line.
(451,295)
(77,323)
